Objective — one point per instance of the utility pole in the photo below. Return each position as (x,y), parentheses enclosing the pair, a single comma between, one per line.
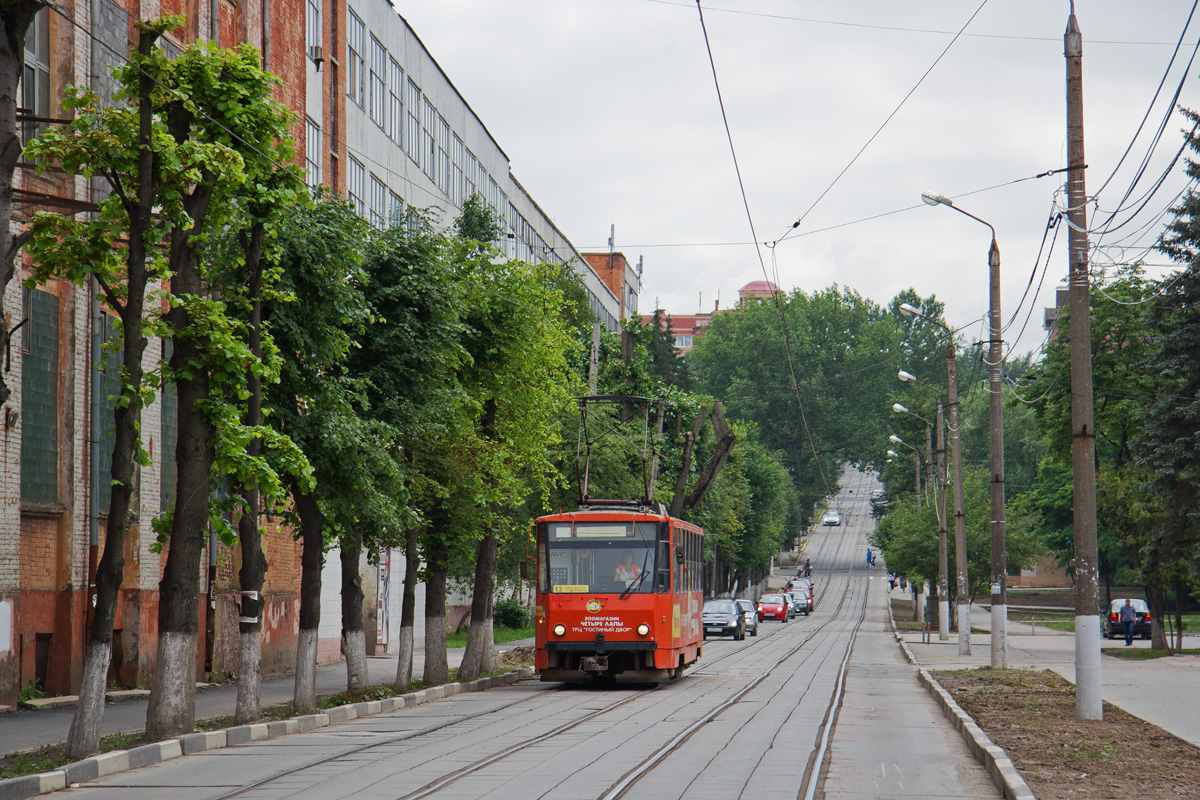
(999,585)
(943,551)
(1088,701)
(963,600)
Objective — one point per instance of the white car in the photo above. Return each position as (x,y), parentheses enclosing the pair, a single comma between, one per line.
(832,517)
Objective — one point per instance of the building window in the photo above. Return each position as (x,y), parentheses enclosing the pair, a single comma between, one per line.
(493,195)
(683,340)
(35,81)
(412,130)
(429,120)
(472,176)
(456,179)
(443,155)
(39,399)
(312,30)
(312,152)
(356,78)
(378,90)
(358,187)
(395,117)
(379,199)
(395,209)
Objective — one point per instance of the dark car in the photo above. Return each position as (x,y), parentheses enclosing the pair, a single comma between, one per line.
(750,613)
(800,602)
(773,606)
(723,618)
(1141,626)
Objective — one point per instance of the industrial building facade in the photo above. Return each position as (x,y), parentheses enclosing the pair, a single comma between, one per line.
(375,119)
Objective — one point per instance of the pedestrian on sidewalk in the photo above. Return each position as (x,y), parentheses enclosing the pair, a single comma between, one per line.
(1128,617)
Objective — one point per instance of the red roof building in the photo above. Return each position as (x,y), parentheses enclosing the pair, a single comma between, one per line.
(687,328)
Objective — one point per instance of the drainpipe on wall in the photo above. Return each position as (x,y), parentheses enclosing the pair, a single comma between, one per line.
(266,35)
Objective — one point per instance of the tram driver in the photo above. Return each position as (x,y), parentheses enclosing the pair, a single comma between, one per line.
(627,571)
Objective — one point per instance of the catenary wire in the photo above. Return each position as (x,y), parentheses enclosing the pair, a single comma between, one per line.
(750,218)
(879,130)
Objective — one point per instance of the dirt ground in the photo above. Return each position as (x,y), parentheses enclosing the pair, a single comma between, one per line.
(1032,716)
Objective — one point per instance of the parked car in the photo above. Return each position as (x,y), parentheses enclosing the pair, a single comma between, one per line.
(750,614)
(722,618)
(1141,627)
(832,517)
(773,606)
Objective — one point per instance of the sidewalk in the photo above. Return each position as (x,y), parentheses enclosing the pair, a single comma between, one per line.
(1163,691)
(26,729)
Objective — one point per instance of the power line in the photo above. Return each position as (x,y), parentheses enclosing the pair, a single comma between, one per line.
(879,130)
(750,218)
(903,29)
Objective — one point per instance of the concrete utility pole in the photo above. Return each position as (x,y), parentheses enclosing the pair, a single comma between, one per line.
(1088,701)
(943,551)
(963,600)
(999,585)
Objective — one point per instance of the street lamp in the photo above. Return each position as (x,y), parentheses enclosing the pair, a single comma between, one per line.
(917,453)
(963,601)
(999,582)
(930,483)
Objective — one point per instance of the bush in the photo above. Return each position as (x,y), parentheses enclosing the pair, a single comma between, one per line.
(511,614)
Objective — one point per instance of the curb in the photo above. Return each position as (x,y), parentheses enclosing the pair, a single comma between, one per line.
(121,760)
(993,758)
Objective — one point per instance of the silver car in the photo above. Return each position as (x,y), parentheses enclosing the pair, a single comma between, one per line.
(750,611)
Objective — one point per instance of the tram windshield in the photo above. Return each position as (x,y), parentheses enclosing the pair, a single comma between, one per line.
(604,556)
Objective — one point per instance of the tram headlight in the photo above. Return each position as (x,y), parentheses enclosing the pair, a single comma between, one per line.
(560,630)
(643,629)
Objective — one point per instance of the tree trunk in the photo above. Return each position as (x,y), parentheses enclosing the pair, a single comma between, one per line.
(480,655)
(437,671)
(14,24)
(254,563)
(312,558)
(1180,596)
(84,737)
(172,709)
(1158,617)
(408,611)
(354,641)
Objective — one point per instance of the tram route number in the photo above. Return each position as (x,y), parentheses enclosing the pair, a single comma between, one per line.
(597,624)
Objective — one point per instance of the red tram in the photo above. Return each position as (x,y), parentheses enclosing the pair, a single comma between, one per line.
(618,594)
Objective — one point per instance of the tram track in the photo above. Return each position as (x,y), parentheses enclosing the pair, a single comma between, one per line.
(543,700)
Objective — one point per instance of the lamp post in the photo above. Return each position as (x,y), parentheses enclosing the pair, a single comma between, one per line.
(917,457)
(999,582)
(963,599)
(930,483)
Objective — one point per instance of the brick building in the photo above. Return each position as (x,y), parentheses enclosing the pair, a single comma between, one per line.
(621,278)
(377,120)
(688,328)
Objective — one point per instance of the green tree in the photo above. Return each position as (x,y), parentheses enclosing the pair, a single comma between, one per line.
(478,222)
(317,317)
(209,97)
(149,174)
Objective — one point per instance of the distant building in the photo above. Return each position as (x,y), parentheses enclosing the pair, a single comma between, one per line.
(621,278)
(688,328)
(1049,322)
(761,289)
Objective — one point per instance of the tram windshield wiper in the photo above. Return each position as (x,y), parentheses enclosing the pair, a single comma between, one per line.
(636,582)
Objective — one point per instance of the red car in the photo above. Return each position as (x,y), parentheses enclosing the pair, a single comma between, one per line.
(773,606)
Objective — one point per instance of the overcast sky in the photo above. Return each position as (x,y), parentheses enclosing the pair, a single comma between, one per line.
(608,113)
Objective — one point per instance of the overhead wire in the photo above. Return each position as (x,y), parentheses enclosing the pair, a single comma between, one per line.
(750,218)
(879,130)
(903,29)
